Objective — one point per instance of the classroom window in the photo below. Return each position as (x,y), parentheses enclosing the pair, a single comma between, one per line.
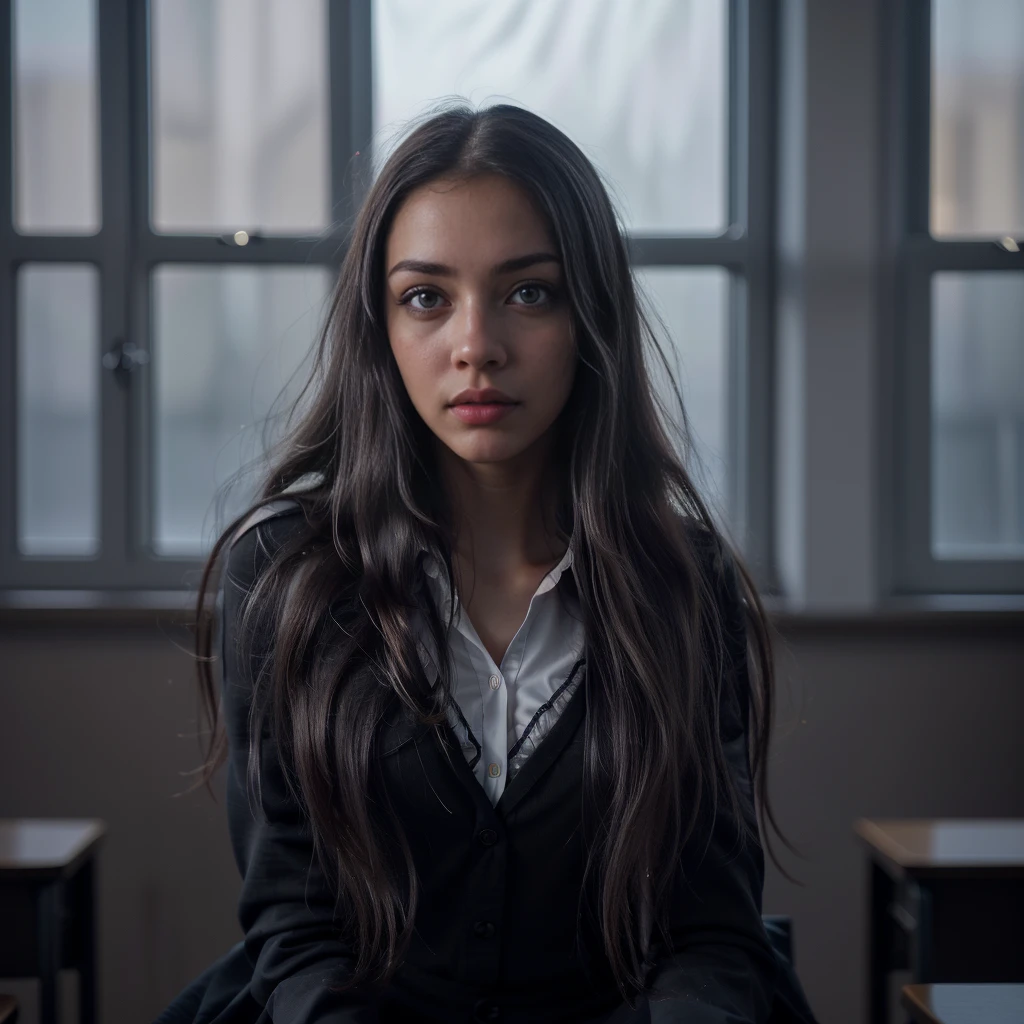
(58,411)
(960,473)
(225,340)
(56,120)
(240,117)
(977,415)
(183,175)
(644,97)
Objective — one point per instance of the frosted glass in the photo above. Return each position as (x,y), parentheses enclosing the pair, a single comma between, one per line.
(58,447)
(640,87)
(228,341)
(978,118)
(693,303)
(977,415)
(56,124)
(240,116)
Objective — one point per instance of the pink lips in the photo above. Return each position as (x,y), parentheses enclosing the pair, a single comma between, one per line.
(482,413)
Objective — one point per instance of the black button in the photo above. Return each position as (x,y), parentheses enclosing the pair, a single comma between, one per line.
(485,929)
(487,836)
(486,1009)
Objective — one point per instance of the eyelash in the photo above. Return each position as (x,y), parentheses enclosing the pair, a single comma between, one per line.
(406,299)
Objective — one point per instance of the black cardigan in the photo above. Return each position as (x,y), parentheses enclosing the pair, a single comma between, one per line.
(496,927)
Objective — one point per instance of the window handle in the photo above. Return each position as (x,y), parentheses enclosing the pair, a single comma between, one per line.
(124,358)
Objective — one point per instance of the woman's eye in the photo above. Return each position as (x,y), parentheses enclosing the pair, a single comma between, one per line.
(534,294)
(422,291)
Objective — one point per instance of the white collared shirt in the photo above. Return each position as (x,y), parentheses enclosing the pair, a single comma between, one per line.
(502,712)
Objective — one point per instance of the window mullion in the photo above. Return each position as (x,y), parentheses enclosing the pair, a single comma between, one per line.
(959,254)
(351,105)
(753,306)
(150,248)
(8,374)
(339,48)
(692,251)
(916,122)
(114,240)
(738,322)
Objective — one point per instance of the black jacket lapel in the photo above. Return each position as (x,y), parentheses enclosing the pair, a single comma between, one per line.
(547,750)
(407,745)
(402,735)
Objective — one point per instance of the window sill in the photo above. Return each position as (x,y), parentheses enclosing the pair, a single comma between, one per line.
(97,607)
(177,607)
(905,612)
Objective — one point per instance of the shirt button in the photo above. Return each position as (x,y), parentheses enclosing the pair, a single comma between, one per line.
(494,769)
(495,682)
(485,1009)
(487,836)
(485,929)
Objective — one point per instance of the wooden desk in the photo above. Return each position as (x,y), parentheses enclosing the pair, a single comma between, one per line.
(47,906)
(8,1010)
(946,900)
(964,1004)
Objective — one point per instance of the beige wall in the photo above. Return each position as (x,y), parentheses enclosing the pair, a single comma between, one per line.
(879,719)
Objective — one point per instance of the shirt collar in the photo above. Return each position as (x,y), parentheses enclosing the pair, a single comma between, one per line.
(433,570)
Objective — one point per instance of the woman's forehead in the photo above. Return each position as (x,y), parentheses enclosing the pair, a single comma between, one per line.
(483,219)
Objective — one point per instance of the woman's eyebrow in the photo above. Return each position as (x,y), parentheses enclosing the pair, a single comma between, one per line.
(442,270)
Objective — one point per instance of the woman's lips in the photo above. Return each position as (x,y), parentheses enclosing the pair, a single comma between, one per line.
(477,414)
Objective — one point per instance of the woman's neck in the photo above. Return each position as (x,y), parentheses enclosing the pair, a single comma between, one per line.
(504,512)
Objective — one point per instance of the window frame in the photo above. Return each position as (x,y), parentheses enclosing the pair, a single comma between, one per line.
(126,250)
(911,256)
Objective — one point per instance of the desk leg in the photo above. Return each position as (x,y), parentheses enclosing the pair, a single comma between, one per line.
(87,945)
(879,944)
(48,912)
(922,962)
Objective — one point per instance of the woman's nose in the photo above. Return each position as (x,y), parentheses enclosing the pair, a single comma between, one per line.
(477,335)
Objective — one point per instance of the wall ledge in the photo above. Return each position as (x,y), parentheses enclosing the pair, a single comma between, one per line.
(75,608)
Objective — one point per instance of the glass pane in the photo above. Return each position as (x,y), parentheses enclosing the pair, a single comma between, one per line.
(978,118)
(56,122)
(693,304)
(58,409)
(642,89)
(977,415)
(227,340)
(240,116)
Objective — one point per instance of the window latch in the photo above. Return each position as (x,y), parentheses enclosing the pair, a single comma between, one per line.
(124,358)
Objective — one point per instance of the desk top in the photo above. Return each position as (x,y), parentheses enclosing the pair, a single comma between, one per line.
(46,847)
(975,847)
(964,1004)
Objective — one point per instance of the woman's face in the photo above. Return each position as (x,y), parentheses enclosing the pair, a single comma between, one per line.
(475,299)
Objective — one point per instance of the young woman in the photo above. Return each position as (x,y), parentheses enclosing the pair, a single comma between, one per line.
(486,684)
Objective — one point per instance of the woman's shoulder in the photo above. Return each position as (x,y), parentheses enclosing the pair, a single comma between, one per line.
(279,509)
(264,532)
(717,564)
(272,524)
(708,546)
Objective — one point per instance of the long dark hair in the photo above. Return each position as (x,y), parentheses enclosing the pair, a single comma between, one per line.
(343,594)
